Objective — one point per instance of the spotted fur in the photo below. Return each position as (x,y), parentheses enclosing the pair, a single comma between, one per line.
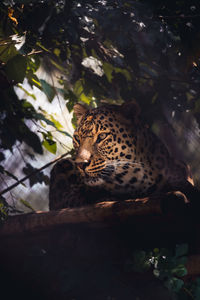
(116,152)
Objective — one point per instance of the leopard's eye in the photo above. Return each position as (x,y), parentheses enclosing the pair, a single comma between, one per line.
(101,136)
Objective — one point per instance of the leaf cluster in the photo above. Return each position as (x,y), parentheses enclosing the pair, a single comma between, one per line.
(168,266)
(138,51)
(102,50)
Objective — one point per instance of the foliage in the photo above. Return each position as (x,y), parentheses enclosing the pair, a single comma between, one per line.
(168,266)
(37,177)
(104,50)
(3,209)
(6,209)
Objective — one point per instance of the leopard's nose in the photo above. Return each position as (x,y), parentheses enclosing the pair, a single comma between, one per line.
(83,155)
(83,165)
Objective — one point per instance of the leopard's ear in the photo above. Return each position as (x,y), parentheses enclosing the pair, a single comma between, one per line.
(79,111)
(131,110)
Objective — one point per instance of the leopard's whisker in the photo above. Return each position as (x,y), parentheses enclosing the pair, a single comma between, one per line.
(117,163)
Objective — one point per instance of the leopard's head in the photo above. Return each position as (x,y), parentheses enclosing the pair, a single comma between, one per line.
(105,142)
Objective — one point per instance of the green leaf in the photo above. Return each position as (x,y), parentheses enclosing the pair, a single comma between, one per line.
(50,145)
(124,72)
(56,51)
(39,116)
(33,80)
(15,68)
(71,99)
(78,88)
(141,261)
(56,123)
(33,64)
(70,105)
(174,284)
(180,271)
(108,69)
(3,209)
(48,90)
(85,98)
(80,93)
(30,138)
(156,272)
(156,251)
(26,92)
(25,203)
(7,52)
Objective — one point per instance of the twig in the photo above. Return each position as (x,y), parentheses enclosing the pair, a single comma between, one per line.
(5,183)
(21,154)
(188,293)
(57,96)
(32,173)
(34,52)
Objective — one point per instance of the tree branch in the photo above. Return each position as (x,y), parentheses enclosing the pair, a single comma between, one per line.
(100,212)
(142,217)
(32,173)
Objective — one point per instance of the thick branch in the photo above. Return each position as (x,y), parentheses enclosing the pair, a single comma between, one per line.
(119,223)
(101,212)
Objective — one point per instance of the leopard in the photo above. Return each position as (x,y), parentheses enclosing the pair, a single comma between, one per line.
(116,155)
